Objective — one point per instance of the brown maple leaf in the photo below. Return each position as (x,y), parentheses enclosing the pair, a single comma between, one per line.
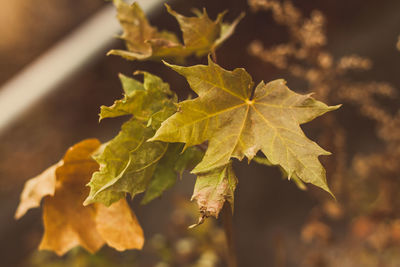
(67,223)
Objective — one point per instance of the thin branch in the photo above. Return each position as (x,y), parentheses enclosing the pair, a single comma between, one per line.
(214,56)
(229,235)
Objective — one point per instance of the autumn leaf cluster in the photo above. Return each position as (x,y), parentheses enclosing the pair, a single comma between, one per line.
(229,119)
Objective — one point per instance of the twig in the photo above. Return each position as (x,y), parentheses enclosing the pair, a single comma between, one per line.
(214,56)
(229,236)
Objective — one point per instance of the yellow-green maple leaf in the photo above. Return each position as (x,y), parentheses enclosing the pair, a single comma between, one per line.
(143,41)
(129,164)
(237,124)
(142,100)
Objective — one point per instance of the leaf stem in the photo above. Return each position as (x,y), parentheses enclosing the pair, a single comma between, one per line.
(229,236)
(213,55)
(253,90)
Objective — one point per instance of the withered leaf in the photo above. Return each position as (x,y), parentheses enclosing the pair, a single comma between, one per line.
(143,41)
(213,188)
(237,124)
(118,226)
(67,223)
(37,188)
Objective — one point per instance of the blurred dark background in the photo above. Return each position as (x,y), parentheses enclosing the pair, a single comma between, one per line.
(268,208)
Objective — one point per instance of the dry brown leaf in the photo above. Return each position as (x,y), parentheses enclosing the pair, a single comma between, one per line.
(119,226)
(35,189)
(201,35)
(213,189)
(67,223)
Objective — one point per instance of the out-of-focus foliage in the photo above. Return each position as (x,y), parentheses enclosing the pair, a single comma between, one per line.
(177,246)
(201,35)
(398,43)
(367,188)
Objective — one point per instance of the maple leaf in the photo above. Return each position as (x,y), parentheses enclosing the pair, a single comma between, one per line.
(143,41)
(142,100)
(173,162)
(212,189)
(237,124)
(67,223)
(37,188)
(264,161)
(129,164)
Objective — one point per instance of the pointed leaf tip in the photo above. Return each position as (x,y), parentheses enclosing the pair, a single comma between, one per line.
(336,107)
(166,63)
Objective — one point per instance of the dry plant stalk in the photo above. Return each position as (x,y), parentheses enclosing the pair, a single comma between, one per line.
(306,57)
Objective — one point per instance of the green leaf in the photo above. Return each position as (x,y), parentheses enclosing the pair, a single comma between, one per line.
(142,100)
(188,160)
(238,125)
(200,34)
(127,162)
(158,117)
(173,163)
(213,188)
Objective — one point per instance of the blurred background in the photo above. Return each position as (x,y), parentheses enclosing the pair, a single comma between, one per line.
(275,223)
